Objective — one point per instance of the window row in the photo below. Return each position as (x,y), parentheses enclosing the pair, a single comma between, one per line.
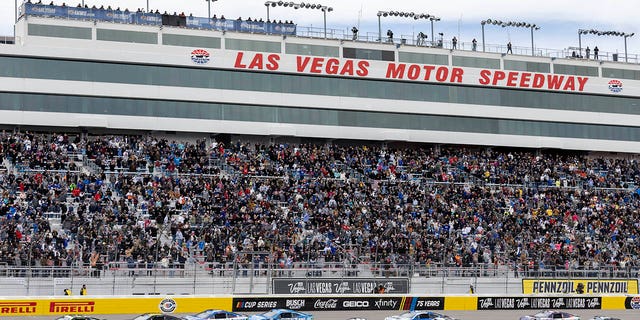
(292,115)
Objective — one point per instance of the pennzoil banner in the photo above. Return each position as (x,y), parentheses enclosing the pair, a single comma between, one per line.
(570,286)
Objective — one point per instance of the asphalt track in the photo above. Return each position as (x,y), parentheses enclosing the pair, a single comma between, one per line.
(379,315)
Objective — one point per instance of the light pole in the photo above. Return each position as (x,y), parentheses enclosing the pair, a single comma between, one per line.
(505,24)
(605,33)
(209,5)
(415,16)
(301,5)
(625,45)
(432,18)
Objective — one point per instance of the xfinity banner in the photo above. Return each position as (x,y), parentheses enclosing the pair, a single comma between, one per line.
(338,304)
(512,303)
(338,286)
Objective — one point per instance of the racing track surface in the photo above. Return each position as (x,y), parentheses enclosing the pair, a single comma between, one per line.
(379,315)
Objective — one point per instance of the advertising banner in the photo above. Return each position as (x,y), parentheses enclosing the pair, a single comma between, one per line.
(632,303)
(512,303)
(338,286)
(579,286)
(119,16)
(117,305)
(253,304)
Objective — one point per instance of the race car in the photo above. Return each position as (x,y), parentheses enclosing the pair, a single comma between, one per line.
(69,317)
(604,318)
(416,315)
(156,316)
(216,314)
(550,314)
(277,314)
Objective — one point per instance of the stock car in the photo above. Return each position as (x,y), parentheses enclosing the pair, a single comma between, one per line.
(156,316)
(550,314)
(604,318)
(210,314)
(277,314)
(69,317)
(416,315)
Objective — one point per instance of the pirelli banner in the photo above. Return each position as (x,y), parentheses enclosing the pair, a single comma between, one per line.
(321,303)
(571,286)
(338,286)
(86,305)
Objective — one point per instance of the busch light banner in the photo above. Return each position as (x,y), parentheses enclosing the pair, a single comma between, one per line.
(253,304)
(338,286)
(512,303)
(119,16)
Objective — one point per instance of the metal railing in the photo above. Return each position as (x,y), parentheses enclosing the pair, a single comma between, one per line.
(216,278)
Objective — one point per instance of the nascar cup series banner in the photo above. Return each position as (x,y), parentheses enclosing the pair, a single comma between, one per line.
(321,303)
(338,286)
(570,286)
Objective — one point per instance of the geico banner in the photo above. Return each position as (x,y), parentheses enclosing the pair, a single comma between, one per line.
(590,286)
(512,303)
(251,304)
(338,286)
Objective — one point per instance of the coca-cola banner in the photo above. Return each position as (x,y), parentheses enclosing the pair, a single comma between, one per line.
(508,303)
(338,303)
(339,286)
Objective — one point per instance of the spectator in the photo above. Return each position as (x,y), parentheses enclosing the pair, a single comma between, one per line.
(509,50)
(474,44)
(595,52)
(454,43)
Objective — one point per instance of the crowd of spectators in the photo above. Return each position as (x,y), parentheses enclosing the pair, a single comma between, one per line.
(148,201)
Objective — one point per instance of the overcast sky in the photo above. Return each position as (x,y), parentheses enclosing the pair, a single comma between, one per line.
(559,19)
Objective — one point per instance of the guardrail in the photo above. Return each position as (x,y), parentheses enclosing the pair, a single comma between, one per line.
(196,277)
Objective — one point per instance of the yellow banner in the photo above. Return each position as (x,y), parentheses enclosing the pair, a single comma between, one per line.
(571,286)
(120,305)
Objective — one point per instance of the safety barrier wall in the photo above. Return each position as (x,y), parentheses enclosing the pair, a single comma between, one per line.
(87,305)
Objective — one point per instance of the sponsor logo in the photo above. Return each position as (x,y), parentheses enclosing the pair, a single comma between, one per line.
(168,305)
(428,304)
(486,303)
(635,302)
(557,303)
(342,287)
(294,304)
(18,307)
(72,307)
(355,304)
(386,304)
(297,287)
(200,56)
(523,303)
(388,287)
(531,286)
(615,86)
(326,304)
(257,304)
(593,303)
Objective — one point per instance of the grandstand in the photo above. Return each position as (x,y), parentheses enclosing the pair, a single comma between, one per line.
(136,151)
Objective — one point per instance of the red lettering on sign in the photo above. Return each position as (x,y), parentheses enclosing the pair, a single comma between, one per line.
(363,68)
(456,75)
(273,60)
(512,78)
(239,63)
(524,80)
(485,77)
